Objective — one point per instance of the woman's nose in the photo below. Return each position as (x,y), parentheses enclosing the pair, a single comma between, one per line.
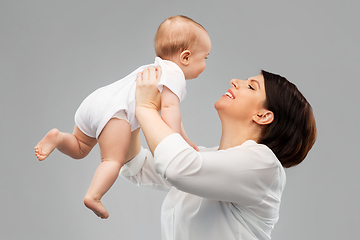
(235,83)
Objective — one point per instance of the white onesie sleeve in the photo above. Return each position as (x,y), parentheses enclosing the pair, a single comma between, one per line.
(172,77)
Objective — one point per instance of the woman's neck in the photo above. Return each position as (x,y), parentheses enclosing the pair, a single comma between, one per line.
(236,134)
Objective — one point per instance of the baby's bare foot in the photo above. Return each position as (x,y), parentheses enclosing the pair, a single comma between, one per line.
(47,144)
(96,206)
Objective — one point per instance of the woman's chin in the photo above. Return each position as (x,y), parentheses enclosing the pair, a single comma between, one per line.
(218,105)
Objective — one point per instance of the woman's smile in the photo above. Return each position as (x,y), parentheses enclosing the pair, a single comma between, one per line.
(230,94)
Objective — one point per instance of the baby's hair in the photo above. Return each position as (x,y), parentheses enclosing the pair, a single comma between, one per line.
(176,34)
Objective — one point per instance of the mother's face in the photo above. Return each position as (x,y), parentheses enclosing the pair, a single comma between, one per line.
(244,100)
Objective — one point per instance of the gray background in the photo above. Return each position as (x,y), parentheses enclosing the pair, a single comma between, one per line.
(54,53)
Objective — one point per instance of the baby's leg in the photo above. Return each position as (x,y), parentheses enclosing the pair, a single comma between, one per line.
(135,145)
(114,142)
(76,145)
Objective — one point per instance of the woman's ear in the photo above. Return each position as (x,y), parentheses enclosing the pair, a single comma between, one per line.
(264,118)
(185,57)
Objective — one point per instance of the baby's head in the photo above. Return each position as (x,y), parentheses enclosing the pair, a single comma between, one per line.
(184,42)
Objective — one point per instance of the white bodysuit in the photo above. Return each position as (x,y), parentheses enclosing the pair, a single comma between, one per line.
(101,105)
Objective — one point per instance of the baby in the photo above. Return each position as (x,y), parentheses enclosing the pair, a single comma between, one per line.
(107,116)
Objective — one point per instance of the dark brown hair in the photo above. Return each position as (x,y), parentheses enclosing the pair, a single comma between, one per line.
(176,34)
(293,132)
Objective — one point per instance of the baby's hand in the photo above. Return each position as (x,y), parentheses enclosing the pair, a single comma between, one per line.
(185,137)
(193,145)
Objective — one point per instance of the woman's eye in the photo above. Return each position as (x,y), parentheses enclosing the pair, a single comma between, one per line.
(251,87)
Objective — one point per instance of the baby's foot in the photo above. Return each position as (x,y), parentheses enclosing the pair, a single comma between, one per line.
(96,206)
(47,144)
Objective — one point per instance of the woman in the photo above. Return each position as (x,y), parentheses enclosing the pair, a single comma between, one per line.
(232,191)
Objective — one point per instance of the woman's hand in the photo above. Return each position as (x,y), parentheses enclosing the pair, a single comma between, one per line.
(147,94)
(147,106)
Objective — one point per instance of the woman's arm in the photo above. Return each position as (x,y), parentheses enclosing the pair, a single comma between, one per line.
(141,171)
(147,107)
(241,176)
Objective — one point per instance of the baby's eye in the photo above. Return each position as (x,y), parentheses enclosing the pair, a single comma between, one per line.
(251,87)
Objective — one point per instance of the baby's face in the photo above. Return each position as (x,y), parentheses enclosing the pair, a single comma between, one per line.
(199,54)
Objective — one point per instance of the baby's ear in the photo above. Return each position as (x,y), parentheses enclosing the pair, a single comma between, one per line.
(185,57)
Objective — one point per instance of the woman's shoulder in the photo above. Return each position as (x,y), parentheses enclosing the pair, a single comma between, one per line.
(257,156)
(261,152)
(206,149)
(249,154)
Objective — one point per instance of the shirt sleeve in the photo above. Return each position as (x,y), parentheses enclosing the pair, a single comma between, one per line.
(241,175)
(140,171)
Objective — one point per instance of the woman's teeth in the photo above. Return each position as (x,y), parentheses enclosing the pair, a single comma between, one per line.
(229,95)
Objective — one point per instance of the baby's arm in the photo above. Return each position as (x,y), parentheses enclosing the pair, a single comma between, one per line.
(185,137)
(170,113)
(170,109)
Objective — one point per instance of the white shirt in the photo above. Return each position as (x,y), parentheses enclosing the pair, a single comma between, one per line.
(213,194)
(101,105)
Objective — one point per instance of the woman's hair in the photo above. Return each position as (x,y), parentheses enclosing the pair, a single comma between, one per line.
(293,132)
(176,34)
